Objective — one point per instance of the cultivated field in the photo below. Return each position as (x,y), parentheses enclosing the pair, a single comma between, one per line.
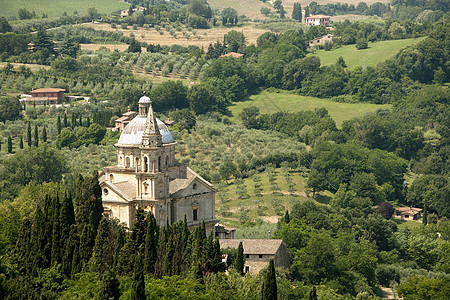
(55,8)
(198,37)
(268,102)
(33,67)
(376,53)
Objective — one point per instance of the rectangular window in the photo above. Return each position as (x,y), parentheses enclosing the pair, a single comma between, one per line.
(247,255)
(194,214)
(260,256)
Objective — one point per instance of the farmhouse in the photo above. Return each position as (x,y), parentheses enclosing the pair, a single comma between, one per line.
(408,213)
(123,121)
(224,232)
(258,253)
(147,175)
(321,40)
(126,12)
(45,96)
(317,20)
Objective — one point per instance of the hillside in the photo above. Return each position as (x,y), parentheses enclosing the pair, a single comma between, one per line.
(268,102)
(376,53)
(55,8)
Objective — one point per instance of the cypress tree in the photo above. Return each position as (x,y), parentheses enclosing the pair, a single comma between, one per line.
(100,256)
(240,259)
(168,258)
(36,136)
(425,213)
(80,121)
(21,142)
(44,135)
(76,262)
(313,294)
(70,244)
(58,124)
(120,242)
(74,121)
(109,286)
(88,200)
(269,286)
(88,122)
(9,144)
(29,135)
(0,144)
(65,120)
(287,219)
(86,244)
(138,286)
(139,229)
(23,246)
(56,233)
(150,246)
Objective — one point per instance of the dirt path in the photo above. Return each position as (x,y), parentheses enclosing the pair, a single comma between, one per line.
(387,293)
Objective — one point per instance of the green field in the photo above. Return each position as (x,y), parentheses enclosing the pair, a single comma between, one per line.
(55,8)
(377,52)
(269,102)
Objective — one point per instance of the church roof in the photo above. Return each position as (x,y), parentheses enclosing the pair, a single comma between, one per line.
(133,132)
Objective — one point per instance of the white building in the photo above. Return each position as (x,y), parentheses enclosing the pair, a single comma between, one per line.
(317,20)
(147,175)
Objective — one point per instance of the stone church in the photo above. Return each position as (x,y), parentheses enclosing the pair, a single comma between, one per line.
(147,175)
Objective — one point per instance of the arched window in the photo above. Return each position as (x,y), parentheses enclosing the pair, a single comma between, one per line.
(167,161)
(127,162)
(145,164)
(159,163)
(111,177)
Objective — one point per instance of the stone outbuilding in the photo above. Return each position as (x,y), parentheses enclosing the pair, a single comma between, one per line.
(258,253)
(408,213)
(147,175)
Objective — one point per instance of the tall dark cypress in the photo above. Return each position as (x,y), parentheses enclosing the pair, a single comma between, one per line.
(9,144)
(74,120)
(80,121)
(168,258)
(44,135)
(86,243)
(56,233)
(138,286)
(21,142)
(36,136)
(101,259)
(0,144)
(88,199)
(269,286)
(139,229)
(240,259)
(23,246)
(88,122)
(109,286)
(120,242)
(150,246)
(58,124)
(70,244)
(29,134)
(65,120)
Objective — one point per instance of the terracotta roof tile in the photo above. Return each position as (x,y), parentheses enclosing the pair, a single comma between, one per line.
(48,90)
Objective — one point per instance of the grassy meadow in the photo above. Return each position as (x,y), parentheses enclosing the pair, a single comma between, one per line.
(270,102)
(376,53)
(55,8)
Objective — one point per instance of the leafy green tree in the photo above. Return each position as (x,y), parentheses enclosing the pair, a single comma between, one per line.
(138,285)
(134,46)
(4,25)
(25,14)
(92,13)
(203,98)
(68,47)
(184,118)
(249,117)
(420,287)
(269,285)
(66,138)
(386,210)
(169,95)
(9,108)
(235,41)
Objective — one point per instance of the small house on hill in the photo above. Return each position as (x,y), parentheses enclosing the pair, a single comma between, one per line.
(317,20)
(320,40)
(224,232)
(258,253)
(45,96)
(124,120)
(408,213)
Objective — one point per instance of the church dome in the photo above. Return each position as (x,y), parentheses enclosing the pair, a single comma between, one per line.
(144,99)
(133,132)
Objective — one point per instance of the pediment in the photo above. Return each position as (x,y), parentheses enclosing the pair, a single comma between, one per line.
(114,193)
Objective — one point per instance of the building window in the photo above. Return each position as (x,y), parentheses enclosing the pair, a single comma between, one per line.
(159,163)
(167,161)
(127,162)
(247,269)
(260,256)
(105,191)
(194,215)
(111,178)
(194,186)
(247,255)
(145,164)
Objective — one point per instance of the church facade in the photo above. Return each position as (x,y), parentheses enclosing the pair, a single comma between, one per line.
(147,175)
